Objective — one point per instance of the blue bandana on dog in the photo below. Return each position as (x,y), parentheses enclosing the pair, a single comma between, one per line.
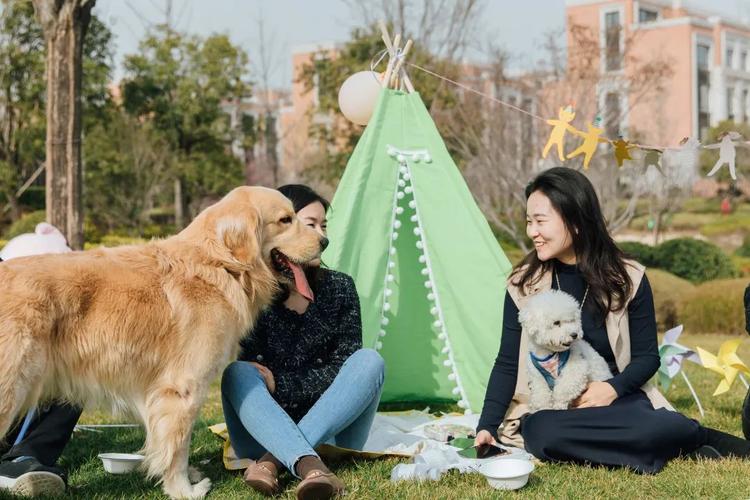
(550,366)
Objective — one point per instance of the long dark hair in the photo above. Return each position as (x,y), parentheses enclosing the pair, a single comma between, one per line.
(599,259)
(302,196)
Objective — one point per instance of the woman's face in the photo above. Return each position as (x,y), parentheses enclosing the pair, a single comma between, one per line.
(546,228)
(314,215)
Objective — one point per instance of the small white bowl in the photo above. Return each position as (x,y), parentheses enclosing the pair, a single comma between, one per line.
(507,473)
(120,463)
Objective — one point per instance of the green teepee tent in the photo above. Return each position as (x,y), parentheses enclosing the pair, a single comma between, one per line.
(429,272)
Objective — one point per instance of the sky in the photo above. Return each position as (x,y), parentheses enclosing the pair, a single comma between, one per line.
(518,26)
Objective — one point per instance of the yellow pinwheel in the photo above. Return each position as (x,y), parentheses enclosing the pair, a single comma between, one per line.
(726,363)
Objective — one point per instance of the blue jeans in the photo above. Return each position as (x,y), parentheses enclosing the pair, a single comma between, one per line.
(342,415)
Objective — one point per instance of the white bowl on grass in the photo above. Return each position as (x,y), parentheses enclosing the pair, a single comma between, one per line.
(120,463)
(507,473)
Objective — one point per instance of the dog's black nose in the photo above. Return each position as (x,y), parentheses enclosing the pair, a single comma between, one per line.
(574,335)
(323,244)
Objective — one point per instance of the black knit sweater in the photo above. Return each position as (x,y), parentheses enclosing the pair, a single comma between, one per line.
(305,351)
(644,353)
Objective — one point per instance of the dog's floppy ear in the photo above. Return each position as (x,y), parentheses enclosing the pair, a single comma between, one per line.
(241,235)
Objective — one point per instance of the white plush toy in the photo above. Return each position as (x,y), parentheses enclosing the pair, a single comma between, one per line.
(46,238)
(560,363)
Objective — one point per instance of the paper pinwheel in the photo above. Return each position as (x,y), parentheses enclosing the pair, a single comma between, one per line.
(726,363)
(672,355)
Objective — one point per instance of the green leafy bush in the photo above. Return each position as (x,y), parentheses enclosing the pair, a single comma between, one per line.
(694,260)
(645,254)
(26,224)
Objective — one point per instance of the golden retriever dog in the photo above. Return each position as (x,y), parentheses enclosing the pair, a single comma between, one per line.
(147,328)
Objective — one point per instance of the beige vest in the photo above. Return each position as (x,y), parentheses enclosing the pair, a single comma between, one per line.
(619,338)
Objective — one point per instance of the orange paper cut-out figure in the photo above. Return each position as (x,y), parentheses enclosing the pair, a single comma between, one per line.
(591,140)
(559,127)
(622,150)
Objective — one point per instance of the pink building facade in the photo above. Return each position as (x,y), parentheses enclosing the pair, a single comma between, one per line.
(709,56)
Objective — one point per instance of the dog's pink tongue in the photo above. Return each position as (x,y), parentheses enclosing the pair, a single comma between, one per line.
(300,282)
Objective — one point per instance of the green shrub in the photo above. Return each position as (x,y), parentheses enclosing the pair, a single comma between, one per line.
(714,307)
(669,291)
(744,249)
(695,260)
(26,224)
(645,254)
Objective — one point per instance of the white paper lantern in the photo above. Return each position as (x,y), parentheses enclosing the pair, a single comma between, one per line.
(358,96)
(412,204)
(400,195)
(397,224)
(422,259)
(386,307)
(399,210)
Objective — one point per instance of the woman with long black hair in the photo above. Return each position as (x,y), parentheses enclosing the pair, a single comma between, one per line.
(303,378)
(623,421)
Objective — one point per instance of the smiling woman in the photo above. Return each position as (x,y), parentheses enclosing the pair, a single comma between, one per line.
(303,378)
(622,421)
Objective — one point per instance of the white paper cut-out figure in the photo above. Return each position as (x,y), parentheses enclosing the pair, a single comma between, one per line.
(727,152)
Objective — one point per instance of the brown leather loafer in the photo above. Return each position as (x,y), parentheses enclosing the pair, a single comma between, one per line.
(319,485)
(262,479)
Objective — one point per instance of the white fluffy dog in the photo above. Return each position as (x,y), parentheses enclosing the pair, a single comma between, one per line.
(561,363)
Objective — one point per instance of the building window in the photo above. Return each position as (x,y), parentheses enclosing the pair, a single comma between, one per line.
(743,60)
(703,82)
(612,114)
(730,57)
(730,103)
(612,29)
(647,15)
(745,95)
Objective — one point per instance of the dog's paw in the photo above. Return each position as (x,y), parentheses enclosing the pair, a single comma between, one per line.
(201,489)
(189,491)
(194,474)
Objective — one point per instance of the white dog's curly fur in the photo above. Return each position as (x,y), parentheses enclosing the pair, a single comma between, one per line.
(552,324)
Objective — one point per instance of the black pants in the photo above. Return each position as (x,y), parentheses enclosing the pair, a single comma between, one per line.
(47,435)
(628,433)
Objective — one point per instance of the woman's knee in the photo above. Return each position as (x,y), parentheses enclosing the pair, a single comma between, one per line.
(238,370)
(539,434)
(369,361)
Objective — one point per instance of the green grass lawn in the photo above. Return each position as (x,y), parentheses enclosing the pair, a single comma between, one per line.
(682,478)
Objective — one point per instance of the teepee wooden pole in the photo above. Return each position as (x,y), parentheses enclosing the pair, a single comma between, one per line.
(400,73)
(400,61)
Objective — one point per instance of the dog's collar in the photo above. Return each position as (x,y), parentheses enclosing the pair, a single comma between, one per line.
(550,366)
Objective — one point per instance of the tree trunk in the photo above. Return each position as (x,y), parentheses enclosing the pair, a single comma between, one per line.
(179,205)
(64,23)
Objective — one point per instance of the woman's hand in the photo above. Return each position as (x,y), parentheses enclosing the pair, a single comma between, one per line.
(267,376)
(596,394)
(484,437)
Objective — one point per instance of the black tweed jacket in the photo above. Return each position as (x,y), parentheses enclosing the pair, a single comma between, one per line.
(305,351)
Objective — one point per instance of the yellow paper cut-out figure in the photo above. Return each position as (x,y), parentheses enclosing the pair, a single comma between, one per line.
(622,150)
(591,140)
(559,127)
